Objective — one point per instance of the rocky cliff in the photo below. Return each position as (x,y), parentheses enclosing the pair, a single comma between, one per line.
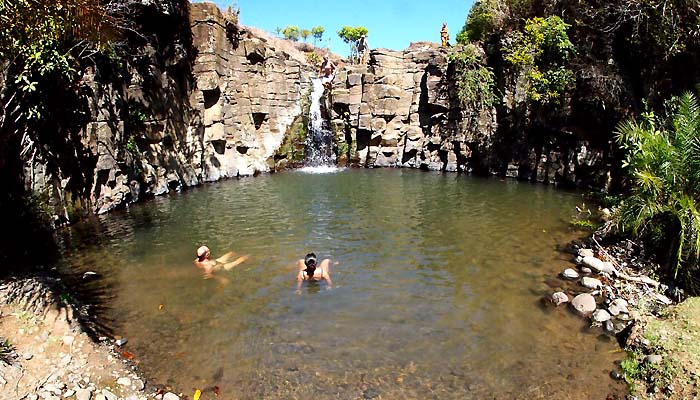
(199,99)
(402,111)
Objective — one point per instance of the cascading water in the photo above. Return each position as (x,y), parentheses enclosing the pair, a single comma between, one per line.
(319,141)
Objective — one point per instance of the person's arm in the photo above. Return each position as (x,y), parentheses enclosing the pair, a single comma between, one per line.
(300,275)
(229,266)
(225,257)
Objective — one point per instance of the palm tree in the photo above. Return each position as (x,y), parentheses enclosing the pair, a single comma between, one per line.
(664,166)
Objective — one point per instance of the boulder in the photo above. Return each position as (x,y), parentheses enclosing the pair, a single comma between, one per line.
(584,304)
(591,283)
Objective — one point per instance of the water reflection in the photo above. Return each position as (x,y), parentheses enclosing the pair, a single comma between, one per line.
(435,295)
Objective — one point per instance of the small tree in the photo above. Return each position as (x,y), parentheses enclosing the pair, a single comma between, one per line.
(278,31)
(351,35)
(291,32)
(305,33)
(317,31)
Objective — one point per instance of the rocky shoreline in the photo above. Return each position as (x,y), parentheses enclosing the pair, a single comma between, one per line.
(610,286)
(47,354)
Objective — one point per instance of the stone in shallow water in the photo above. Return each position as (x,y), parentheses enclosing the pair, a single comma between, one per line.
(601,316)
(609,326)
(570,273)
(171,396)
(559,298)
(584,304)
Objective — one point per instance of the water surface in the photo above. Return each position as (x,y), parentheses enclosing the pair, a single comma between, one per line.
(436,294)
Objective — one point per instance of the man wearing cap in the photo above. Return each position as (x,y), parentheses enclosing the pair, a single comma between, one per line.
(208,265)
(310,270)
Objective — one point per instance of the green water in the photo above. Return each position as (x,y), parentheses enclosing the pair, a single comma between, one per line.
(436,294)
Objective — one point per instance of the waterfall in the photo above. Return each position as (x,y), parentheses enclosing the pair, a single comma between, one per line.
(319,140)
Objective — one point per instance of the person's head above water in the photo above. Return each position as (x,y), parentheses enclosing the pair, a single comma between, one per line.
(203,253)
(310,261)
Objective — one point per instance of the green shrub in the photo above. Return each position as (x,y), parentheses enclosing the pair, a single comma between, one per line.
(663,163)
(475,81)
(479,22)
(542,51)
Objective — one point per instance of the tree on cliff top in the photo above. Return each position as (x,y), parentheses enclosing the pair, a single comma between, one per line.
(317,32)
(291,32)
(351,35)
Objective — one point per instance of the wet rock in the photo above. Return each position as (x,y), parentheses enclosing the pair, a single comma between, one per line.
(591,283)
(617,375)
(584,304)
(586,253)
(559,298)
(570,273)
(653,359)
(609,326)
(89,274)
(601,316)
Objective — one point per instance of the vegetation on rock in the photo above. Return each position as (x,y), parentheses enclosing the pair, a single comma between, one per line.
(475,80)
(541,50)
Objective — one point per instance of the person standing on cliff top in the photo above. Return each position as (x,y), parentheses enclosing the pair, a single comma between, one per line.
(204,261)
(362,49)
(327,71)
(444,35)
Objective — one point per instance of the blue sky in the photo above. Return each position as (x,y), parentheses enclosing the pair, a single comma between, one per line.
(392,24)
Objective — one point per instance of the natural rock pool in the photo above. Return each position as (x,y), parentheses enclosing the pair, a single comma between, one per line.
(436,294)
